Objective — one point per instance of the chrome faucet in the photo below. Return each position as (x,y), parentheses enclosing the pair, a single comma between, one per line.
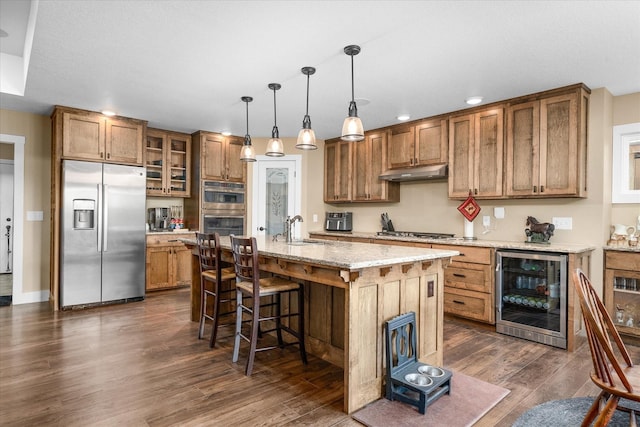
(289,223)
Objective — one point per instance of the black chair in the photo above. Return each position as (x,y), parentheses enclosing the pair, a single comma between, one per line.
(212,277)
(408,380)
(249,284)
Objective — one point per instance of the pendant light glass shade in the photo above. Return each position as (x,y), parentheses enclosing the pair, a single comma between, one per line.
(352,129)
(275,147)
(306,136)
(247,153)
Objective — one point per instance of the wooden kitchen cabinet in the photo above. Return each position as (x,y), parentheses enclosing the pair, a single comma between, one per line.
(338,162)
(424,143)
(168,263)
(168,161)
(622,289)
(88,135)
(546,146)
(218,157)
(469,283)
(369,161)
(476,143)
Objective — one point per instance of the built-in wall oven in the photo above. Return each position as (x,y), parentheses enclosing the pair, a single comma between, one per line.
(223,208)
(531,296)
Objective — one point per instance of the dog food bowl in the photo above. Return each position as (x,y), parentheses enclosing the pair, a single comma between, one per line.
(431,371)
(418,379)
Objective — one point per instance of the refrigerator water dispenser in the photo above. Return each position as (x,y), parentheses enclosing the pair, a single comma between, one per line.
(83,214)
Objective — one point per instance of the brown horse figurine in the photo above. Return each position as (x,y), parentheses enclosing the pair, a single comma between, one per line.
(544,228)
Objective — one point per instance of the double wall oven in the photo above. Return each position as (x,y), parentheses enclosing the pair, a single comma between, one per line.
(223,207)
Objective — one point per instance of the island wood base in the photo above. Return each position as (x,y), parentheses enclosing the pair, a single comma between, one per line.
(346,311)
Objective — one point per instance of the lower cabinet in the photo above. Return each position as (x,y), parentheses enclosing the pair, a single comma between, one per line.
(622,289)
(168,264)
(469,283)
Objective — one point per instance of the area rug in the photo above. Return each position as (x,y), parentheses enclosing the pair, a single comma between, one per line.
(469,400)
(569,413)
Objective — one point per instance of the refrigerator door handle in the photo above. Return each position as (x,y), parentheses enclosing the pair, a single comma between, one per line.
(105,228)
(99,210)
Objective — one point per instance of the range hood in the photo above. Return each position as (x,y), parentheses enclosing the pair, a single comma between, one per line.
(421,173)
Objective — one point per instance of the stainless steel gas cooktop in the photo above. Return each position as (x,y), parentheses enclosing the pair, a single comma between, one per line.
(418,234)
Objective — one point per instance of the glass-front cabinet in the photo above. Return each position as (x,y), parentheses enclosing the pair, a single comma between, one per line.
(168,163)
(622,289)
(531,297)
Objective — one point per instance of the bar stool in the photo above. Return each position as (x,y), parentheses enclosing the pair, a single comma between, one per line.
(249,284)
(211,272)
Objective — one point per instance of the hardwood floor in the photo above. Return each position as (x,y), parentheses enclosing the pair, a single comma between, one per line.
(140,364)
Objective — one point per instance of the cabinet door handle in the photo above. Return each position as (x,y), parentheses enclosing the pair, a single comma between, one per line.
(458,302)
(108,155)
(475,191)
(535,188)
(459,275)
(101,155)
(542,188)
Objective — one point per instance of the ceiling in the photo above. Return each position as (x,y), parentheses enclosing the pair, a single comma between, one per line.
(183,65)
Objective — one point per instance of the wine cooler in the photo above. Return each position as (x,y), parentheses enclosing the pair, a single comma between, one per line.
(531,296)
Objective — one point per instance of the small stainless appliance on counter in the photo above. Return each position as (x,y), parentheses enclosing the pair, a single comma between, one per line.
(158,218)
(339,221)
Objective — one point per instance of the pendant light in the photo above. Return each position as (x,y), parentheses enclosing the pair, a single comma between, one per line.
(352,129)
(307,137)
(247,153)
(275,147)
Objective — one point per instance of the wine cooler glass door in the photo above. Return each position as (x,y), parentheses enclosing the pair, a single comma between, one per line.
(532,296)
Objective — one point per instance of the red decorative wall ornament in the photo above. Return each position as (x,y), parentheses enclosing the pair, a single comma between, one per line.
(469,208)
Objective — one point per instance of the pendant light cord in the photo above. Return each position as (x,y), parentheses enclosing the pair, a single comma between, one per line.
(247,104)
(307,113)
(352,90)
(275,122)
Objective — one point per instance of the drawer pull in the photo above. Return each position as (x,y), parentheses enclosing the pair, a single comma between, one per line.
(458,302)
(459,275)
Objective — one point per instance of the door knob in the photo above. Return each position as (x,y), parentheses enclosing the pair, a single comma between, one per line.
(261,228)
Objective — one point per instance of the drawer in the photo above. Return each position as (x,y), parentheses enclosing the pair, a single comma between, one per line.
(469,253)
(473,277)
(620,260)
(401,243)
(168,239)
(469,304)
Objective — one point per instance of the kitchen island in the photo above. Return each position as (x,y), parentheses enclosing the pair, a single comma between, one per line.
(351,289)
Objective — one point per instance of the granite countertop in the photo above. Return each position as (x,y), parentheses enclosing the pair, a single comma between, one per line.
(622,248)
(344,255)
(180,231)
(497,244)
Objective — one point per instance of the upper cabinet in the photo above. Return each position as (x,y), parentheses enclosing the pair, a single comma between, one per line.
(476,143)
(337,171)
(423,143)
(168,161)
(88,135)
(217,157)
(546,146)
(369,161)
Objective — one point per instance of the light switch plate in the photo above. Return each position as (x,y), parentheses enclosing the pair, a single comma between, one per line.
(315,217)
(486,221)
(35,215)
(498,213)
(562,223)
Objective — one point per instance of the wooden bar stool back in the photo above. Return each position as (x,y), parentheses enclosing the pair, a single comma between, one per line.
(613,371)
(212,277)
(249,284)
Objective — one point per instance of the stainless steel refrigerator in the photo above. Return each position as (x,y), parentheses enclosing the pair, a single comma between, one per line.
(103,233)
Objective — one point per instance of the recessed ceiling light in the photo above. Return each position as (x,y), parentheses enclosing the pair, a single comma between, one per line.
(403,117)
(226,133)
(473,100)
(108,113)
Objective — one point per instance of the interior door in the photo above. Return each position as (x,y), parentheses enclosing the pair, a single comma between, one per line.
(6,216)
(276,194)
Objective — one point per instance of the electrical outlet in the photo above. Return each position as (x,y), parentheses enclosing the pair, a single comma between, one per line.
(486,221)
(562,223)
(315,217)
(498,213)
